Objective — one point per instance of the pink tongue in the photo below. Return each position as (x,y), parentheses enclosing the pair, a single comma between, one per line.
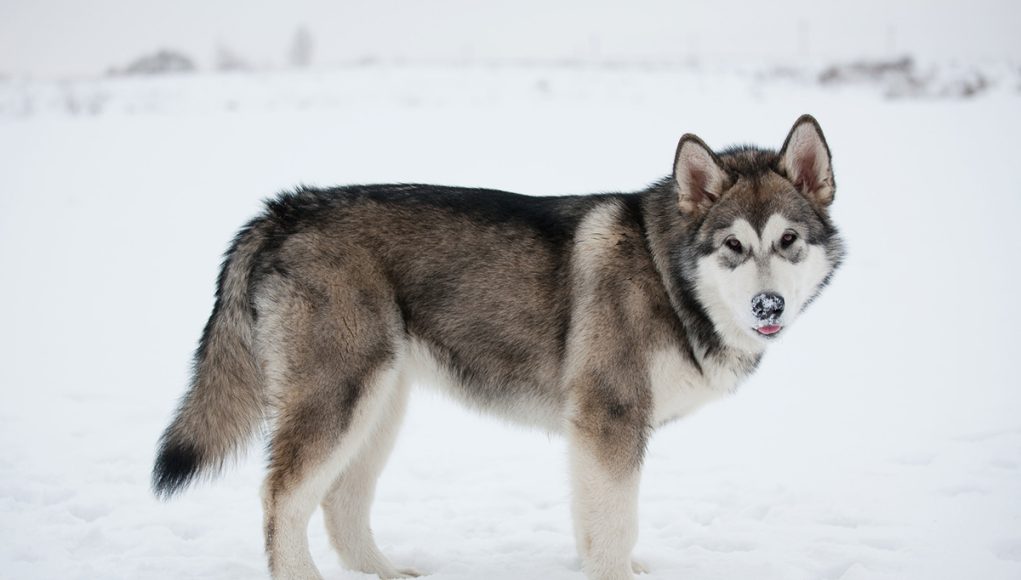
(771,329)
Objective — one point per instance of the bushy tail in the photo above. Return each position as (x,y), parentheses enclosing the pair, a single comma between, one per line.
(225,403)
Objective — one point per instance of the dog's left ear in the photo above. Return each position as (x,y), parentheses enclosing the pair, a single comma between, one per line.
(805,158)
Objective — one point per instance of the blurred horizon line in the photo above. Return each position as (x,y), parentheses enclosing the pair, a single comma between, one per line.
(166,61)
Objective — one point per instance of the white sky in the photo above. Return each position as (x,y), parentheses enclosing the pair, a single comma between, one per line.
(50,38)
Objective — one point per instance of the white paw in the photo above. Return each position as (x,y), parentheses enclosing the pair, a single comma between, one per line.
(402,573)
(638,568)
(622,571)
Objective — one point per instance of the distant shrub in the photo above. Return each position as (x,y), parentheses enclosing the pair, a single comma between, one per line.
(302,48)
(902,78)
(229,61)
(158,63)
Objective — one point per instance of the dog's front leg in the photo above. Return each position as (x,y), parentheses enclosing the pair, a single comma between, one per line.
(606,448)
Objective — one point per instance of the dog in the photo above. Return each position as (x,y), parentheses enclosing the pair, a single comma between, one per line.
(600,317)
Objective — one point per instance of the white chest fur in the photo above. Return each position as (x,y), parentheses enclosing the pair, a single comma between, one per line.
(678,387)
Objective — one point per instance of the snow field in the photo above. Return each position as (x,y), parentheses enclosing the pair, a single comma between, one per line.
(879,439)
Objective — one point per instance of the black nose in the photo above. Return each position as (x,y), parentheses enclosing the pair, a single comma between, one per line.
(767,305)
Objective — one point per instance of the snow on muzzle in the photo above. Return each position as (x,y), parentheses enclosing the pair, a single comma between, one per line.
(767,308)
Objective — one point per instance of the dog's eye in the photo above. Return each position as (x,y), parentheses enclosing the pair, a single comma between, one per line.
(733,244)
(787,239)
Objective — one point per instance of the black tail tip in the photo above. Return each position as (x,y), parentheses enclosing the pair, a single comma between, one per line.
(176,465)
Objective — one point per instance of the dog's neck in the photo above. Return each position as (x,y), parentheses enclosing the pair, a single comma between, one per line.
(668,236)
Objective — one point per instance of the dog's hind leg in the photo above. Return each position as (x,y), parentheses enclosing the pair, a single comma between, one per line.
(347,505)
(334,366)
(306,457)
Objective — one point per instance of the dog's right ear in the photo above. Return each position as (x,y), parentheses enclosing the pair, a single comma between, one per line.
(699,174)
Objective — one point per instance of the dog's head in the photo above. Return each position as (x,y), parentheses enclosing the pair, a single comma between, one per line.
(761,245)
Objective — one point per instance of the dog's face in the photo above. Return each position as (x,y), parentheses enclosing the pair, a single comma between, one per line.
(764,246)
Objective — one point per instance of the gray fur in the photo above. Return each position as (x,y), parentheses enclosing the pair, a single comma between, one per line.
(544,310)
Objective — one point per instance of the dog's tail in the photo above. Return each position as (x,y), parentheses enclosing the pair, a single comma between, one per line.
(225,404)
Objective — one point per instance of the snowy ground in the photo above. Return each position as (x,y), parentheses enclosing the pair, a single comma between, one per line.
(880,439)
